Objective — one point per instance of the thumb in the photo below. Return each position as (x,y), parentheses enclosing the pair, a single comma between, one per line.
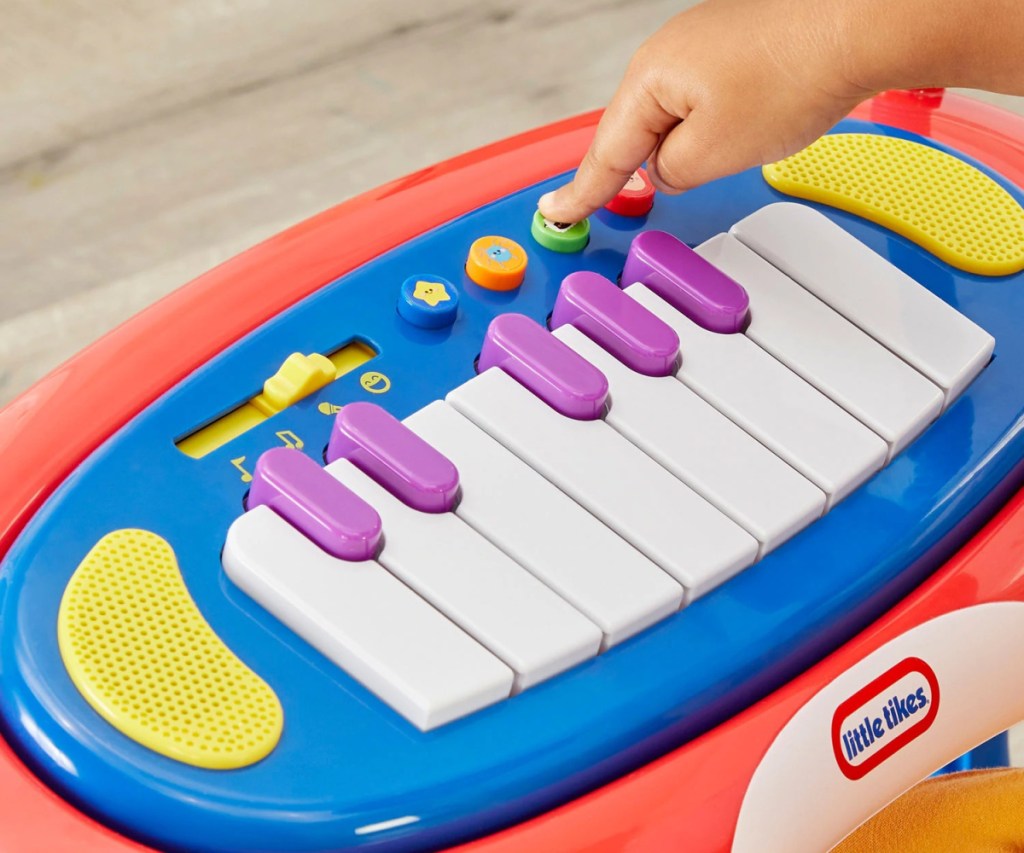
(699,150)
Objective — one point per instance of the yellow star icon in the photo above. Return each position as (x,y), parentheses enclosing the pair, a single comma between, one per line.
(431,292)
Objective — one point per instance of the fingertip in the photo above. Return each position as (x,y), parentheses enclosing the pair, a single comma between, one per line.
(545,202)
(560,206)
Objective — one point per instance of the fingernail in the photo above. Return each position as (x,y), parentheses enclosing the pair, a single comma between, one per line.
(544,199)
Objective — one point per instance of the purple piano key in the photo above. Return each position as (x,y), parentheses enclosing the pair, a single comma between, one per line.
(621,325)
(380,445)
(687,281)
(311,500)
(534,357)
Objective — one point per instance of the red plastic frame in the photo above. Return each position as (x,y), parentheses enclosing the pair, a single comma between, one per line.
(688,798)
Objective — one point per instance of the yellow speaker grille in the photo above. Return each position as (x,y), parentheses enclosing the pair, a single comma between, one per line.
(936,200)
(141,653)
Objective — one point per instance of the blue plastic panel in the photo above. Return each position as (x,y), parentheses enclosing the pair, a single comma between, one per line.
(346,762)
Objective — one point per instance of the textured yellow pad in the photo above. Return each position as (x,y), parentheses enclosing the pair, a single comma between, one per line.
(143,656)
(936,200)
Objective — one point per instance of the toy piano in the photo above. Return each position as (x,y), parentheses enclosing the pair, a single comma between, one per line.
(431,524)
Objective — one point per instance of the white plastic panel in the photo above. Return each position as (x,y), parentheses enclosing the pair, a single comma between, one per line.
(864,287)
(967,698)
(755,390)
(479,587)
(706,450)
(875,386)
(665,519)
(547,532)
(366,621)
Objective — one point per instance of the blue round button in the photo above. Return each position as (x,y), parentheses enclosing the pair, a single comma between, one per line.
(428,301)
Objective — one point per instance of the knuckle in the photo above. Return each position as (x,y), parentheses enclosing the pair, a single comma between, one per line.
(646,63)
(597,162)
(593,161)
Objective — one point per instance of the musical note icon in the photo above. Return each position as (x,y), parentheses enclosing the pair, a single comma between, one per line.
(246,476)
(290,439)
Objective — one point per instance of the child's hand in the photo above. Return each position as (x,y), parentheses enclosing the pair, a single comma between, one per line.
(731,84)
(724,86)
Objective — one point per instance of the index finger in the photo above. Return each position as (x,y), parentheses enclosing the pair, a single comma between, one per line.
(628,132)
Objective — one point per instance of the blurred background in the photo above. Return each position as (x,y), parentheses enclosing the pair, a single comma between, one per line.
(142,143)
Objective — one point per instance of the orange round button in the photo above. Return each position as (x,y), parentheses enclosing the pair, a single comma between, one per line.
(496,263)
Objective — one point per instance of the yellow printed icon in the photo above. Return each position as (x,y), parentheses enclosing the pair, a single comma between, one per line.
(375,382)
(328,409)
(239,464)
(431,292)
(290,439)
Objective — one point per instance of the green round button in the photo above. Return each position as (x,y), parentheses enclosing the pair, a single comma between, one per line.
(558,236)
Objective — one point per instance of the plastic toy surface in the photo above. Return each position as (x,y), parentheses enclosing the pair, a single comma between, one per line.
(212,644)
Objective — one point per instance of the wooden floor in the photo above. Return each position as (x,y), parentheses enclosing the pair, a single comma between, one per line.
(142,143)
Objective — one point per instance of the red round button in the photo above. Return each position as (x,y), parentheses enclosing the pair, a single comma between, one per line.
(634,199)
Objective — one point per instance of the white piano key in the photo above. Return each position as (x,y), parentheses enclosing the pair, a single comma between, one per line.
(366,621)
(547,532)
(831,448)
(477,586)
(707,451)
(875,386)
(864,287)
(620,484)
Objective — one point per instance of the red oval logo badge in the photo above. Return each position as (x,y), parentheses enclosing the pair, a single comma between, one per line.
(884,716)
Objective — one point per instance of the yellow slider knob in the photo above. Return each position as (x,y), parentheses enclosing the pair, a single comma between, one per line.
(299,376)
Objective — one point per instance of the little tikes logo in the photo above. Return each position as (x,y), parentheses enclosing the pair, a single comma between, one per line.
(883,717)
